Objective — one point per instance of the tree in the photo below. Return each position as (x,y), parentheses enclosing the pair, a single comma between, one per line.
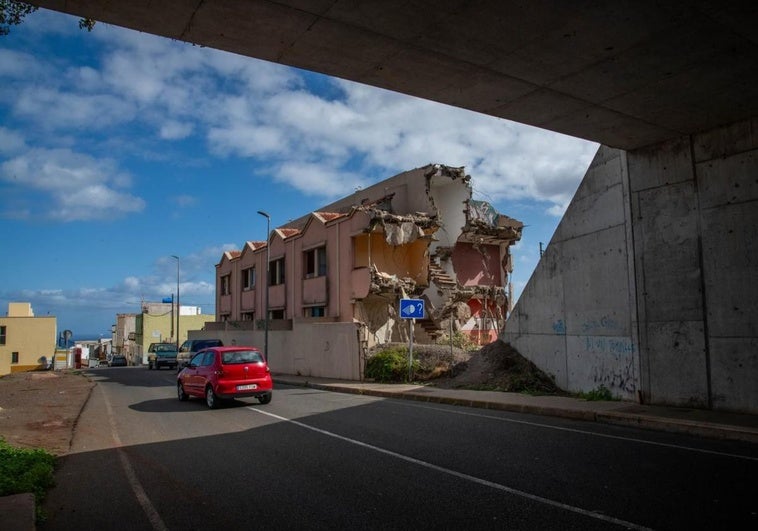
(12,13)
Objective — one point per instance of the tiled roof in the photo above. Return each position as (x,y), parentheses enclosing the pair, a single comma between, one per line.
(286,233)
(329,216)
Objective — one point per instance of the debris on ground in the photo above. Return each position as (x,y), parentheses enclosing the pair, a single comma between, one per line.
(497,366)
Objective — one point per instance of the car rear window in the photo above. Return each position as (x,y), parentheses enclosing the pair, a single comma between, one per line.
(241,356)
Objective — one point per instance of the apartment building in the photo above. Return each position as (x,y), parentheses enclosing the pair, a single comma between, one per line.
(27,342)
(419,234)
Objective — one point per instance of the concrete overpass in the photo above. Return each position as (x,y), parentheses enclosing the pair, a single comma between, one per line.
(650,283)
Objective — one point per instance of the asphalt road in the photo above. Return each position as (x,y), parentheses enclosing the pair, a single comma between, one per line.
(319,460)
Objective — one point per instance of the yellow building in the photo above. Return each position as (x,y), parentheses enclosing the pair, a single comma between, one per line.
(26,342)
(157,323)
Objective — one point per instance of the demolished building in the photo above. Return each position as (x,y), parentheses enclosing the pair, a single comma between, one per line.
(419,234)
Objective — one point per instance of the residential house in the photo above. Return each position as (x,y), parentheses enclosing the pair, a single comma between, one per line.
(26,342)
(335,276)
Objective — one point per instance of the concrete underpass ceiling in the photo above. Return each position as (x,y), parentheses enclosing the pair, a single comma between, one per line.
(623,73)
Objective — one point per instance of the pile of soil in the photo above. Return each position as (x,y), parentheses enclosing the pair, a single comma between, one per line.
(497,367)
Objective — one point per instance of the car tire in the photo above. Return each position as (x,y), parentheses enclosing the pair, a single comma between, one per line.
(265,399)
(183,397)
(211,400)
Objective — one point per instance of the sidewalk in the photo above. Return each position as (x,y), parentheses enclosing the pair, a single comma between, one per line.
(705,423)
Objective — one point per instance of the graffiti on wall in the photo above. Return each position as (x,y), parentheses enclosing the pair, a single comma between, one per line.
(609,345)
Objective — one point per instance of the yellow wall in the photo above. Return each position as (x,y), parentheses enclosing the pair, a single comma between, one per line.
(31,337)
(157,328)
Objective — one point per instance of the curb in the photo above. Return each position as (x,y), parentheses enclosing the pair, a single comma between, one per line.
(689,427)
(620,418)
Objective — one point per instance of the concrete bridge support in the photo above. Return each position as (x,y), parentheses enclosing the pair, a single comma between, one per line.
(649,285)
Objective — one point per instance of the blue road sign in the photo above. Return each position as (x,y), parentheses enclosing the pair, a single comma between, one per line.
(411,308)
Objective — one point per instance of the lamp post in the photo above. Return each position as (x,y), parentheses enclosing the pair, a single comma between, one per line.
(177,302)
(268,256)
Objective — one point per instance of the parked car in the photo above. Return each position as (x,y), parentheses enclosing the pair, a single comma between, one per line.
(161,355)
(221,373)
(117,360)
(191,347)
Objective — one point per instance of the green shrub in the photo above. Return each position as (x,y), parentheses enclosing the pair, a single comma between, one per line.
(25,470)
(389,365)
(460,340)
(600,393)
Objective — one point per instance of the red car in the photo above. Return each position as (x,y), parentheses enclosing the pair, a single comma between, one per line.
(220,373)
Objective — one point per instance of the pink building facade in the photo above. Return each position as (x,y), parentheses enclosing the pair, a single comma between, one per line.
(418,234)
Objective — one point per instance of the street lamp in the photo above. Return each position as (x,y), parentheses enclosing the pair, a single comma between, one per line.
(268,256)
(177,302)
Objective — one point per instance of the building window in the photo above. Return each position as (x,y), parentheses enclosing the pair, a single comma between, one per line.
(225,284)
(248,278)
(14,357)
(276,272)
(276,314)
(315,262)
(2,335)
(315,311)
(248,316)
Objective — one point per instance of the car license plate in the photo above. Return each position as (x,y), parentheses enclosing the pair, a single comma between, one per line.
(246,387)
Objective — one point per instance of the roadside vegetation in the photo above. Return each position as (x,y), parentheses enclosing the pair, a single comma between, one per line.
(26,470)
(461,365)
(390,365)
(597,394)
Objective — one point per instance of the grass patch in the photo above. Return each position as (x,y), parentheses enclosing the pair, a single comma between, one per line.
(600,393)
(26,470)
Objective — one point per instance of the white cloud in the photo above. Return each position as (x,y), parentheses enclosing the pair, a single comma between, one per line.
(82,187)
(254,109)
(318,179)
(173,130)
(11,142)
(53,109)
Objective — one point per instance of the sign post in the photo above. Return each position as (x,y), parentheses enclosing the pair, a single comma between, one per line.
(411,309)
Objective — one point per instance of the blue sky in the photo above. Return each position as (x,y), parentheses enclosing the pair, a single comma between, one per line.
(119,149)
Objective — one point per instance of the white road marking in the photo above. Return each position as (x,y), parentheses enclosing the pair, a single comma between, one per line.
(584,432)
(460,475)
(139,492)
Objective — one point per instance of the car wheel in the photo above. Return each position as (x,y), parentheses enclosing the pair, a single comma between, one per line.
(180,392)
(210,398)
(265,399)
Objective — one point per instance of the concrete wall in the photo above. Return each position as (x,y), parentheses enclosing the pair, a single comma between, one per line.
(649,285)
(315,349)
(695,213)
(574,317)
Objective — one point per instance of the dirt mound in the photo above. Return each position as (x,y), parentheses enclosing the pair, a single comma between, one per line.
(498,367)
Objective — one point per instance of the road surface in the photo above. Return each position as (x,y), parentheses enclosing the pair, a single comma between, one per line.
(314,459)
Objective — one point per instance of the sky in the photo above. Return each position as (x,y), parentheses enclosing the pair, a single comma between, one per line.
(119,149)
